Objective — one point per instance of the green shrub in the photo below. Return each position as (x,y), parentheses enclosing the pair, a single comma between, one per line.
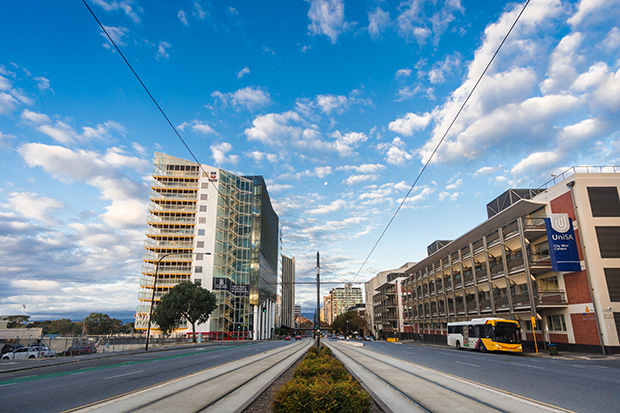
(321,395)
(313,350)
(321,384)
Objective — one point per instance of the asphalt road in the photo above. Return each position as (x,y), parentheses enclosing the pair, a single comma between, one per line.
(57,388)
(573,384)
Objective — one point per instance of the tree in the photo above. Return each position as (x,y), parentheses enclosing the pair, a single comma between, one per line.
(17,321)
(98,323)
(356,323)
(187,301)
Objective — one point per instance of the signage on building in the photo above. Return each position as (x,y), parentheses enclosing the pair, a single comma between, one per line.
(562,243)
(213,176)
(221,284)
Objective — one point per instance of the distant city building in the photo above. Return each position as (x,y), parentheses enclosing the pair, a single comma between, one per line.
(288,291)
(327,310)
(297,310)
(342,298)
(216,229)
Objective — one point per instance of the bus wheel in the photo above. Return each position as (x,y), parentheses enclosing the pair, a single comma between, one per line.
(458,345)
(482,348)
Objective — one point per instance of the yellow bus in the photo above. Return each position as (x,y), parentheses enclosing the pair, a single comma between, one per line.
(486,334)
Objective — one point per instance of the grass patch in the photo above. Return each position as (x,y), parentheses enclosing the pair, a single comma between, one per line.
(321,384)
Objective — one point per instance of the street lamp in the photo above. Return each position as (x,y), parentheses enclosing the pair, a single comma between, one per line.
(148,329)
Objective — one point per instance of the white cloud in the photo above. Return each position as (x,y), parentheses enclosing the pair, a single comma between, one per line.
(42,83)
(220,151)
(535,162)
(378,21)
(249,98)
(345,143)
(162,53)
(356,179)
(258,156)
(485,170)
(395,154)
(327,17)
(117,34)
(101,131)
(364,169)
(444,68)
(454,184)
(183,17)
(33,206)
(410,123)
(403,73)
(125,5)
(198,127)
(5,84)
(7,103)
(107,172)
(323,171)
(450,196)
(612,41)
(331,207)
(199,12)
(38,118)
(243,72)
(64,133)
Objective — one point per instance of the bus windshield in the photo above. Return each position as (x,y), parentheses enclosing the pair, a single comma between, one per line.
(507,333)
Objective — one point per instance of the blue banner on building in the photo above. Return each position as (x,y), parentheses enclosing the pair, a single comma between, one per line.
(562,243)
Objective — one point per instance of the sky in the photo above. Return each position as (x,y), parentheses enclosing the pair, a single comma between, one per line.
(339,104)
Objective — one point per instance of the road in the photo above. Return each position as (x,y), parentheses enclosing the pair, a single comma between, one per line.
(572,384)
(65,387)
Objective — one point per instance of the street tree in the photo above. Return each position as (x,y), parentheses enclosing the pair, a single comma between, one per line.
(186,300)
(355,323)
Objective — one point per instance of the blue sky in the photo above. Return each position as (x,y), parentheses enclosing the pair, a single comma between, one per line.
(338,104)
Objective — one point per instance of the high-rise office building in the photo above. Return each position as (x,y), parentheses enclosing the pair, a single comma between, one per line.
(343,298)
(288,291)
(216,229)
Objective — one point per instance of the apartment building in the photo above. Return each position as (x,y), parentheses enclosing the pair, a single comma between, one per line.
(216,229)
(510,266)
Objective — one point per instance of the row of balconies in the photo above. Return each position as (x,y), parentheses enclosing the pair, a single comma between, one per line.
(173,196)
(169,232)
(171,184)
(147,282)
(167,269)
(155,207)
(171,220)
(154,244)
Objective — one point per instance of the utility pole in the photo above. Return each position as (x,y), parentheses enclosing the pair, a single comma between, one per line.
(318,303)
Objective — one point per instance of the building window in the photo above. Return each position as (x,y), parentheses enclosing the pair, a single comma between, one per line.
(200,256)
(550,284)
(612,276)
(204,197)
(198,281)
(203,208)
(204,185)
(556,322)
(198,270)
(201,232)
(608,241)
(202,220)
(200,244)
(604,201)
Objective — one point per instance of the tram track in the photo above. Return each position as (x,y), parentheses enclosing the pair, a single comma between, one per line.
(228,387)
(398,385)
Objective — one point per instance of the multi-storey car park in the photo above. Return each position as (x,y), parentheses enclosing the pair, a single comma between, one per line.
(503,268)
(216,229)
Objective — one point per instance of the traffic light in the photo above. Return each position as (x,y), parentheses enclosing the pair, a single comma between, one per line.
(264,309)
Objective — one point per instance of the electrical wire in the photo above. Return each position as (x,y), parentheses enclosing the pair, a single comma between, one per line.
(442,139)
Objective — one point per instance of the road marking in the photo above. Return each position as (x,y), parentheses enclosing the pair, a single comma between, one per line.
(79,372)
(578,366)
(122,375)
(10,384)
(528,365)
(600,367)
(468,364)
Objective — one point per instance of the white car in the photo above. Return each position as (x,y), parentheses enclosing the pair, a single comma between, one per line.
(30,352)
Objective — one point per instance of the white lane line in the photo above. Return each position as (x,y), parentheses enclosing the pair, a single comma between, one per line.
(578,366)
(600,367)
(529,366)
(468,364)
(122,375)
(10,384)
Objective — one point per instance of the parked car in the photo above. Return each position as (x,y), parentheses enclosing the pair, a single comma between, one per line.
(30,352)
(7,348)
(369,338)
(80,349)
(287,337)
(298,337)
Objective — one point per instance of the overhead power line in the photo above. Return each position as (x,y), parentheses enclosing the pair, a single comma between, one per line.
(442,138)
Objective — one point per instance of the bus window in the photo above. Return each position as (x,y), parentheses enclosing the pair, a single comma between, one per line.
(488,331)
(507,333)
